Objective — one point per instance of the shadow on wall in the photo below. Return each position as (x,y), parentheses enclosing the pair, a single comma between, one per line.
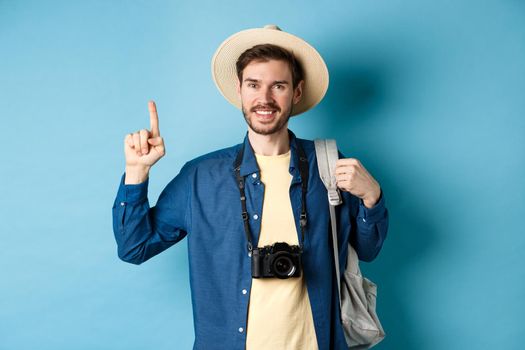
(358,99)
(355,95)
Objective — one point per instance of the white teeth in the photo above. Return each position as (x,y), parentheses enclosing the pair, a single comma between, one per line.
(264,112)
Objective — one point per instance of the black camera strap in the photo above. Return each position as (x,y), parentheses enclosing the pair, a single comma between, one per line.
(303,170)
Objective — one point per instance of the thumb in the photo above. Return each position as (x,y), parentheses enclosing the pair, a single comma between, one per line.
(158,144)
(155,141)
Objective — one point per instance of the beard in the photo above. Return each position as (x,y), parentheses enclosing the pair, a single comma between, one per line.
(280,123)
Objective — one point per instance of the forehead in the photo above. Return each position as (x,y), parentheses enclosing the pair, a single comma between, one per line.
(267,70)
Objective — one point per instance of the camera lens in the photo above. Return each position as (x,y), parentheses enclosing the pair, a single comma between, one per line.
(283,266)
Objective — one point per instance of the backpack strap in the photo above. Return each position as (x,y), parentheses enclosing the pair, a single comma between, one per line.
(326,152)
(327,155)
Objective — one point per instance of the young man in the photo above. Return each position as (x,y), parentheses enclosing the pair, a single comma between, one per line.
(256,214)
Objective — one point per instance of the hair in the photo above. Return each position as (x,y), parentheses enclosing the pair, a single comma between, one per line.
(267,52)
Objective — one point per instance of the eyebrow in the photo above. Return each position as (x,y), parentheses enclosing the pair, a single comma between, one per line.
(251,80)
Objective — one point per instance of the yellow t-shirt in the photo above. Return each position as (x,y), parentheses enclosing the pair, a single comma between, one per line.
(279,313)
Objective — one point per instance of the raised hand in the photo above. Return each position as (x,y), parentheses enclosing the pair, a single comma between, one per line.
(143,148)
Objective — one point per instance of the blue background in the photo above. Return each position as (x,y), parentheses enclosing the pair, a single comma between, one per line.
(429,95)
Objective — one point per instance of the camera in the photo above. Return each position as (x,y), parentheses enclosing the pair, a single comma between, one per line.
(278,260)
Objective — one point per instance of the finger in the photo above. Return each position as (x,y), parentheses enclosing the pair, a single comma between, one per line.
(344,185)
(153,119)
(144,136)
(347,161)
(136,143)
(129,140)
(345,169)
(344,177)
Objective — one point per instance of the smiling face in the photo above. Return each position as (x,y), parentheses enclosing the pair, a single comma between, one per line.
(267,95)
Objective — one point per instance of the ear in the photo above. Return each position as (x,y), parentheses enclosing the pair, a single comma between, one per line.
(298,92)
(238,88)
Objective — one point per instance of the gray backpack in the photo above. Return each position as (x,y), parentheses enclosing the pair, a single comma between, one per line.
(357,294)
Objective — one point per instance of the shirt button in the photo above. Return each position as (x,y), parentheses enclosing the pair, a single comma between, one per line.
(364,220)
(122,204)
(254,175)
(255,216)
(244,291)
(241,329)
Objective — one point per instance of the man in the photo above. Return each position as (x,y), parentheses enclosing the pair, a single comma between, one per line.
(256,214)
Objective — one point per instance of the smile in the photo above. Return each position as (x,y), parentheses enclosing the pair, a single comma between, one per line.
(264,112)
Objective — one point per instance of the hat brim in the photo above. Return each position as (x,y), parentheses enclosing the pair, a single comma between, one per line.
(315,71)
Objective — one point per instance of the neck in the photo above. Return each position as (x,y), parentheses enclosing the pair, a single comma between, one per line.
(270,145)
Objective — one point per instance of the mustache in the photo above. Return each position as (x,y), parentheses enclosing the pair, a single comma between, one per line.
(266,106)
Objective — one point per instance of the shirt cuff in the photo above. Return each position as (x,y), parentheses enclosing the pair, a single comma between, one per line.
(376,212)
(132,193)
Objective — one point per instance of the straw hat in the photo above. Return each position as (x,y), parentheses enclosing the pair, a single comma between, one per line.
(225,74)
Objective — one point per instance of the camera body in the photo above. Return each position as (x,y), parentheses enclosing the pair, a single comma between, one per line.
(278,260)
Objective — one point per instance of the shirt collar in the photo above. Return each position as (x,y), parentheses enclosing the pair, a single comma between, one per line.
(249,162)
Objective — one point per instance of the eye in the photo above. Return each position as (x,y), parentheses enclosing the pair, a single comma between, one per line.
(251,85)
(279,86)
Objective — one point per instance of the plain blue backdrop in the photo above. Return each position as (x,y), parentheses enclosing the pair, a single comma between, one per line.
(429,95)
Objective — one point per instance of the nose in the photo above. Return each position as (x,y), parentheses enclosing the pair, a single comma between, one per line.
(265,95)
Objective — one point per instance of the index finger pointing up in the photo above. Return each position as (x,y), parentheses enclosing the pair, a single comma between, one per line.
(154,119)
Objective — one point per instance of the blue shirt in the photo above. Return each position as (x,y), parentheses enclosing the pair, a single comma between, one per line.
(203,203)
